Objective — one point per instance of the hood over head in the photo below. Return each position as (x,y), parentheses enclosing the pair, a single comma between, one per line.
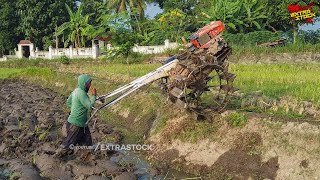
(83,80)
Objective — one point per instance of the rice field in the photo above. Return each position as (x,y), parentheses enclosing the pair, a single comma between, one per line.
(301,81)
(135,70)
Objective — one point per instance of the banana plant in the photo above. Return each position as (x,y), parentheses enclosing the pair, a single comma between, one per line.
(224,10)
(77,29)
(239,15)
(253,14)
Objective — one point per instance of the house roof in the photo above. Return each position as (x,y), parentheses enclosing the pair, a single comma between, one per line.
(25,42)
(103,38)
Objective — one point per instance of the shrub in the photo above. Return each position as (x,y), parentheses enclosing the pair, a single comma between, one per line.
(251,38)
(65,60)
(237,120)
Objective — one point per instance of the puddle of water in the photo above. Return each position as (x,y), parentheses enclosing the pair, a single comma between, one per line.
(143,167)
(4,173)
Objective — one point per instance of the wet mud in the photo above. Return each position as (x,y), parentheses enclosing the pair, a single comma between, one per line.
(32,120)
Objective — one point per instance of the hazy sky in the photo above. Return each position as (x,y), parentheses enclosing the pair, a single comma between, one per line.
(315,26)
(152,10)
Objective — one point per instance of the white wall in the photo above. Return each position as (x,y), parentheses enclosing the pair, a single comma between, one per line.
(155,49)
(86,52)
(69,52)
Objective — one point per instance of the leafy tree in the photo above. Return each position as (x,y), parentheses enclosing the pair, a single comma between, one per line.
(125,5)
(39,19)
(77,29)
(309,36)
(173,24)
(279,16)
(252,15)
(9,20)
(135,8)
(119,22)
(160,2)
(239,16)
(118,28)
(152,33)
(186,6)
(94,7)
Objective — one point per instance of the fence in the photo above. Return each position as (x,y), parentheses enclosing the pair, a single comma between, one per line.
(71,52)
(155,49)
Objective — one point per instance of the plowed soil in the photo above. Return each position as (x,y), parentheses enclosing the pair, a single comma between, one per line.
(31,128)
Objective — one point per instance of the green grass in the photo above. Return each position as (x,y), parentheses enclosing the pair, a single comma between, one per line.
(162,123)
(24,63)
(239,51)
(237,120)
(7,73)
(281,113)
(301,81)
(131,132)
(195,131)
(135,70)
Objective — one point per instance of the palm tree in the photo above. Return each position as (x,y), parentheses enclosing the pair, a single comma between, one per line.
(124,5)
(77,29)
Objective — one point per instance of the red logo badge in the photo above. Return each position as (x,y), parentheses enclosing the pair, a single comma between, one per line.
(299,13)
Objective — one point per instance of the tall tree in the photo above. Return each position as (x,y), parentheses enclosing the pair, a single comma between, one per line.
(160,2)
(39,19)
(279,16)
(117,28)
(94,7)
(78,29)
(125,5)
(187,6)
(9,20)
(173,23)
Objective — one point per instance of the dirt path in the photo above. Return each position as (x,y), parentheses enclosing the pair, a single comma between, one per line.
(31,120)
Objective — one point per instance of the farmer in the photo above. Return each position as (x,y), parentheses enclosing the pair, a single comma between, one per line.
(79,103)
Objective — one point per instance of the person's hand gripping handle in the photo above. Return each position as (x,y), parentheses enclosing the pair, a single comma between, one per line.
(93,91)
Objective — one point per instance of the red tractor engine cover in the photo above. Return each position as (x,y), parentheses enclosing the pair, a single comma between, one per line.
(205,35)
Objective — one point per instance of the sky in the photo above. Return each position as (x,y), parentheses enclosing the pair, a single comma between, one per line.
(152,10)
(314,26)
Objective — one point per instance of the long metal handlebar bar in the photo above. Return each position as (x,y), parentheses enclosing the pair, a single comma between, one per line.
(133,86)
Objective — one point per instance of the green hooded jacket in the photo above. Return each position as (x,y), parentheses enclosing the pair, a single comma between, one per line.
(79,103)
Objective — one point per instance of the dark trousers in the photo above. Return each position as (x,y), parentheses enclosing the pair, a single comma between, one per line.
(77,136)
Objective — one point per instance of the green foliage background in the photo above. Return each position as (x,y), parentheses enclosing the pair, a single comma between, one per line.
(247,22)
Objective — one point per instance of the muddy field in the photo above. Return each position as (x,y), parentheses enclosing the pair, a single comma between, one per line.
(31,123)
(31,127)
